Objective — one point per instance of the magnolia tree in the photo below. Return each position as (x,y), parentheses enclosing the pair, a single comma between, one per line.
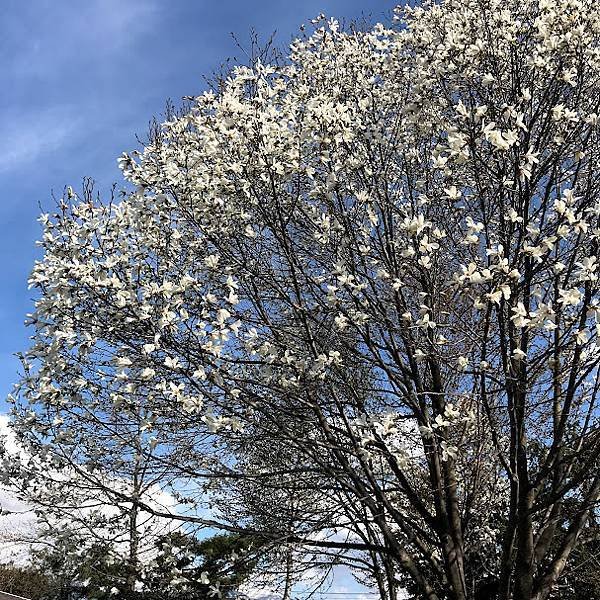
(354,297)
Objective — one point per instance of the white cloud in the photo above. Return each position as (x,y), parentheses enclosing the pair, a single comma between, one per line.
(20,530)
(20,526)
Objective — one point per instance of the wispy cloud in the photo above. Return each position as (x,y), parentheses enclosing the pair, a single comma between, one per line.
(26,135)
(67,34)
(52,51)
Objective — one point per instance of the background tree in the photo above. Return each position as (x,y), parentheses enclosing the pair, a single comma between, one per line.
(355,297)
(581,579)
(24,581)
(226,558)
(179,568)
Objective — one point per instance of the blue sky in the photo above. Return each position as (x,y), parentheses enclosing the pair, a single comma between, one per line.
(79,80)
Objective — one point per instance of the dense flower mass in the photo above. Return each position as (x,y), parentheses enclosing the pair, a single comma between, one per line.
(352,303)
